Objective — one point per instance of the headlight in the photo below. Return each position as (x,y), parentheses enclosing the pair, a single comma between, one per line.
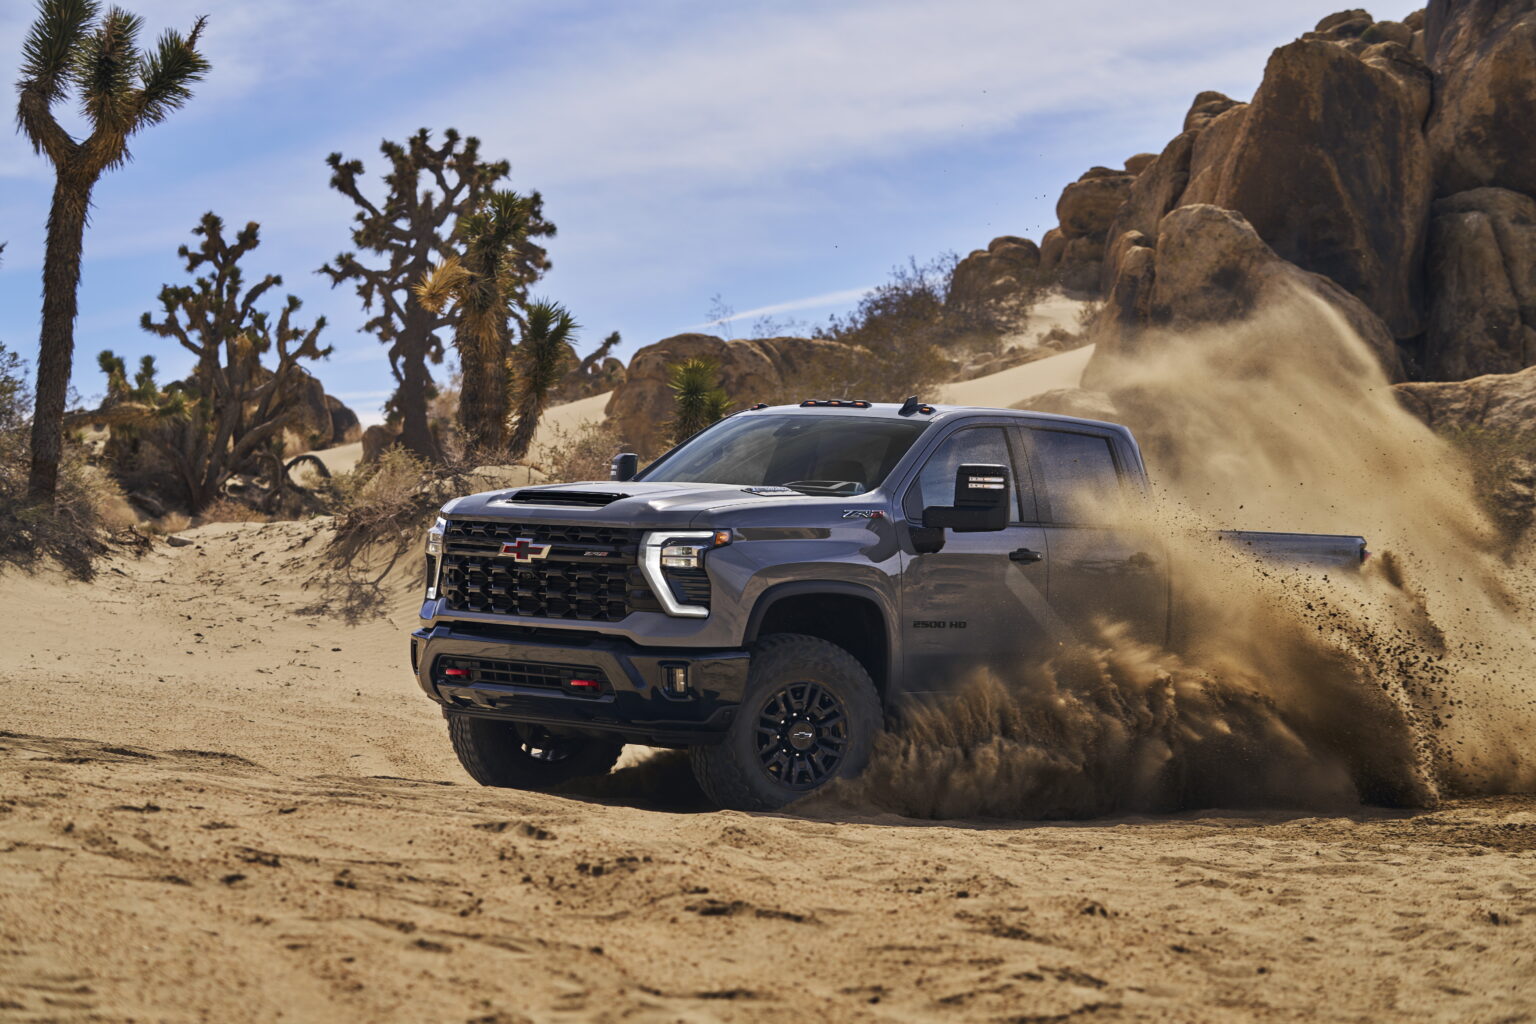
(435,555)
(674,568)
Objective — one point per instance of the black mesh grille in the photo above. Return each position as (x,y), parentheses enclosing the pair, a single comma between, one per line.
(584,573)
(689,586)
(472,671)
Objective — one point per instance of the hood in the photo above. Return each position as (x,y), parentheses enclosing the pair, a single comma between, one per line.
(643,504)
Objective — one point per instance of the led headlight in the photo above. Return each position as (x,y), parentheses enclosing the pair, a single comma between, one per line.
(435,555)
(674,567)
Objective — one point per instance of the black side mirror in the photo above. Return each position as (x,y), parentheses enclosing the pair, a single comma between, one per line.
(624,466)
(981,501)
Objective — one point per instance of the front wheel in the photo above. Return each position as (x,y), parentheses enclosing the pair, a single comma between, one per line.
(809,716)
(516,755)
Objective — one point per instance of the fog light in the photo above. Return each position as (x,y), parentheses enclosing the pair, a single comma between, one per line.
(675,678)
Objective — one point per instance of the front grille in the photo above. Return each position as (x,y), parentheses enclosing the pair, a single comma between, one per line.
(456,671)
(584,573)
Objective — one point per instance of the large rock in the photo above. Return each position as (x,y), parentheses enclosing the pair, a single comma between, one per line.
(1087,207)
(1158,189)
(1206,108)
(1482,269)
(1493,419)
(1210,267)
(1005,270)
(1211,152)
(1483,53)
(1331,169)
(749,370)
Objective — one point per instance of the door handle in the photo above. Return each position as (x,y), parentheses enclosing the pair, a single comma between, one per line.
(1025,555)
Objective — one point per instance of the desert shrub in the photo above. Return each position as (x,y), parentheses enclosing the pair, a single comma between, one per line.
(905,326)
(72,530)
(571,456)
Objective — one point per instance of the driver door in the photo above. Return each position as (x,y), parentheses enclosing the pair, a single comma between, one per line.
(980,603)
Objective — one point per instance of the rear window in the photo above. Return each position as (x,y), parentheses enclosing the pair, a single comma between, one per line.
(1080,477)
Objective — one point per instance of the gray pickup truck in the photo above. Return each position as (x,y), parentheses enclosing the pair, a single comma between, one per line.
(770,592)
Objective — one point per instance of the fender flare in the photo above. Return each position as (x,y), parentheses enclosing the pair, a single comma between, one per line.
(812,588)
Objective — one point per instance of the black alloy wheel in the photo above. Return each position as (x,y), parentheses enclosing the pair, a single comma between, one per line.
(802,735)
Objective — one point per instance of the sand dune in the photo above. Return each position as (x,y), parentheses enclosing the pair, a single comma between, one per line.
(220,802)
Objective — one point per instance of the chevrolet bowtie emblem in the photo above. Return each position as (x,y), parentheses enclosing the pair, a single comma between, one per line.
(525,550)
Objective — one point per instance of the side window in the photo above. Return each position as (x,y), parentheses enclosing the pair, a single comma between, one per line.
(935,484)
(1079,475)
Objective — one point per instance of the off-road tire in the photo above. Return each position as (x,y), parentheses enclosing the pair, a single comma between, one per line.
(732,773)
(494,753)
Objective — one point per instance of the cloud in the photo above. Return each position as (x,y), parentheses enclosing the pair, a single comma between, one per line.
(841,298)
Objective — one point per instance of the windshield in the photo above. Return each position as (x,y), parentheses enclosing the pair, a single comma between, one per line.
(811,454)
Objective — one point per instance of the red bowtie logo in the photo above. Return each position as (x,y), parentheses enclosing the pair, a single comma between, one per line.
(525,550)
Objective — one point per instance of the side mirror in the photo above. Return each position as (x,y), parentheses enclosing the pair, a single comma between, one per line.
(981,501)
(624,466)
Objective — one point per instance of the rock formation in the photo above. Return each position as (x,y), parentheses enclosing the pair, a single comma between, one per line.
(1003,271)
(750,370)
(1482,260)
(1483,53)
(1209,266)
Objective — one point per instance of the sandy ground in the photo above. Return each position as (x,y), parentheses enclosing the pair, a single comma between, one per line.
(1003,389)
(218,802)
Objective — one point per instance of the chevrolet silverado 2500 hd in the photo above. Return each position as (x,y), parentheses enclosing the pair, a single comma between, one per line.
(770,591)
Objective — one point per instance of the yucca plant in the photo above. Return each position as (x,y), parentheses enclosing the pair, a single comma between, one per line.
(539,363)
(72,47)
(698,398)
(481,285)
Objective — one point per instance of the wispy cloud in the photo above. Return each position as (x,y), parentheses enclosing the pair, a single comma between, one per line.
(842,298)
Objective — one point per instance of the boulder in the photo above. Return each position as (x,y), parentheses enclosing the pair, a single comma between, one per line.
(1211,151)
(377,439)
(1331,169)
(1206,108)
(750,370)
(1483,53)
(1410,71)
(1082,266)
(1211,267)
(345,426)
(1482,273)
(1156,191)
(1053,245)
(1004,270)
(1139,162)
(1087,207)
(1493,419)
(1343,19)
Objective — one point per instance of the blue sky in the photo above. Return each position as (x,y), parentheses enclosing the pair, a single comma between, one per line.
(778,154)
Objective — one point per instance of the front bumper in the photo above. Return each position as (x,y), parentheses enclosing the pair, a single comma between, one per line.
(632,703)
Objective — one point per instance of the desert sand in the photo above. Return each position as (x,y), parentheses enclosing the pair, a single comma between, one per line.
(221,802)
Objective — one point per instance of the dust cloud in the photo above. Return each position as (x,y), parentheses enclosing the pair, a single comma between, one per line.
(1408,682)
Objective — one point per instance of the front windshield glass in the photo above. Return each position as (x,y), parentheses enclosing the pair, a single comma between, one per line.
(812,454)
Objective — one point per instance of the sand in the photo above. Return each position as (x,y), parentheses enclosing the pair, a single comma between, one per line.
(220,802)
(1004,389)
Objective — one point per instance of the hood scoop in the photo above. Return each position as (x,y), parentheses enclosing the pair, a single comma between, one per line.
(583,499)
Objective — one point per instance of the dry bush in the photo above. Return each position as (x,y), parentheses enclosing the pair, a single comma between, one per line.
(579,455)
(382,511)
(230,510)
(906,325)
(69,532)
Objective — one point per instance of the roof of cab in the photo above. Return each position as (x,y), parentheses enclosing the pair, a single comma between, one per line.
(892,410)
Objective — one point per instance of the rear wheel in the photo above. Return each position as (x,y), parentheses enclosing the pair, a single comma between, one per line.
(516,755)
(809,716)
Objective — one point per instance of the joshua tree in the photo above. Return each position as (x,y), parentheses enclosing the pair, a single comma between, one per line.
(428,190)
(539,363)
(234,409)
(699,399)
(120,90)
(481,284)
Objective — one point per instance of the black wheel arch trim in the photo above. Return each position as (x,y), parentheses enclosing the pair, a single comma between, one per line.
(841,588)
